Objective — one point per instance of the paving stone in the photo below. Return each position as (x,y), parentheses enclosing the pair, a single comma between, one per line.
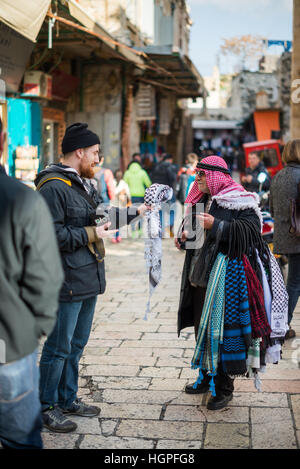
(167,352)
(64,441)
(272,428)
(158,343)
(227,436)
(160,429)
(118,360)
(268,386)
(130,352)
(110,370)
(108,427)
(175,444)
(118,382)
(259,399)
(296,409)
(167,384)
(130,411)
(139,397)
(165,372)
(86,425)
(101,442)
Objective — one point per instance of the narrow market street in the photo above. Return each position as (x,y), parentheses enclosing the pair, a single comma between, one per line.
(136,371)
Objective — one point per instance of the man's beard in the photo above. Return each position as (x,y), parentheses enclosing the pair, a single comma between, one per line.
(86,170)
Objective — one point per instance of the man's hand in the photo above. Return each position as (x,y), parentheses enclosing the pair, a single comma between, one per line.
(143,208)
(104,232)
(249,178)
(206,220)
(182,239)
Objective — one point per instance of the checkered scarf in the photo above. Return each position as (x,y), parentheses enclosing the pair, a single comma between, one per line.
(154,196)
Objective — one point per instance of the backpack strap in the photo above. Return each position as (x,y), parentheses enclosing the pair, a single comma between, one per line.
(60,177)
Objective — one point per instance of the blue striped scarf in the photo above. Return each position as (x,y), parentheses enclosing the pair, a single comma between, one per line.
(210,334)
(237,321)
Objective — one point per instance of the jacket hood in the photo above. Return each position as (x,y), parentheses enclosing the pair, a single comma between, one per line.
(135,167)
(58,168)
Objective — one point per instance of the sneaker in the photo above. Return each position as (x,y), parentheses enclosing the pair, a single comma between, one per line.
(119,239)
(54,420)
(218,402)
(114,240)
(200,389)
(83,410)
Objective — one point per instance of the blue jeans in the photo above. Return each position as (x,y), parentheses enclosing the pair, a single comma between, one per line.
(293,283)
(138,201)
(20,408)
(62,351)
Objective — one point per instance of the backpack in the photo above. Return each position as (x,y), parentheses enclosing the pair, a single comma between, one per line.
(102,187)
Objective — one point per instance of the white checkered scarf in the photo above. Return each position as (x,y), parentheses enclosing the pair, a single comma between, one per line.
(154,196)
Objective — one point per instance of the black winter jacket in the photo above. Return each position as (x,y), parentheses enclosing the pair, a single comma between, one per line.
(72,215)
(185,312)
(254,185)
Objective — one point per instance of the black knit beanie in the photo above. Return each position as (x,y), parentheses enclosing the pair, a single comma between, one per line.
(78,136)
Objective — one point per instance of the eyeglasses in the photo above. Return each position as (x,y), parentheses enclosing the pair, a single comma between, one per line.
(200,174)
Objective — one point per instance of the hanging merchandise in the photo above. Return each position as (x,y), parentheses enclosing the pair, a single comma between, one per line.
(154,196)
(145,101)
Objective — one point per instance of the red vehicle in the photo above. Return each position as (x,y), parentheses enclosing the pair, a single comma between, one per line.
(269,152)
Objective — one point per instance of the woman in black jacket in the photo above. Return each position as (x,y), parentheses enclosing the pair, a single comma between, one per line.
(284,188)
(222,202)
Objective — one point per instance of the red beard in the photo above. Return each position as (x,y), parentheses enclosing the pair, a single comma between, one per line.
(86,170)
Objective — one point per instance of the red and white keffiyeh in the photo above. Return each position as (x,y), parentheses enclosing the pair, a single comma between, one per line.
(224,190)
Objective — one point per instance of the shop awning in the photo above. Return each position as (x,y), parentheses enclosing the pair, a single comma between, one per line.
(265,122)
(173,70)
(215,124)
(24,16)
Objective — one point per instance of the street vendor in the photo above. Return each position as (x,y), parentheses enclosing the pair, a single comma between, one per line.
(231,222)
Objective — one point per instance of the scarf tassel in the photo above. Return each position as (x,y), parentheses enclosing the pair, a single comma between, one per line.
(199,379)
(212,386)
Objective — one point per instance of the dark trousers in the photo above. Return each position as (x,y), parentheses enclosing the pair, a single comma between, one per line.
(223,383)
(293,283)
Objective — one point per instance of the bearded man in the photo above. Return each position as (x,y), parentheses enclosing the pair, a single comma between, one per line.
(73,202)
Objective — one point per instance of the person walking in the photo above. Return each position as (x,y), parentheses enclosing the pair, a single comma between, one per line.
(31,276)
(284,188)
(122,198)
(165,173)
(73,205)
(250,180)
(104,183)
(185,176)
(138,181)
(225,206)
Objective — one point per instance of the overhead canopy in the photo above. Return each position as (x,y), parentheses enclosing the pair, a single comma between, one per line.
(173,70)
(215,124)
(24,16)
(265,122)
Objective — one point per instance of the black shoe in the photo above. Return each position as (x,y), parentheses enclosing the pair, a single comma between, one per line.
(219,402)
(83,410)
(54,420)
(199,389)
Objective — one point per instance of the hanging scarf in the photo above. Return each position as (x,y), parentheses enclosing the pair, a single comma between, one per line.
(259,321)
(154,196)
(210,334)
(237,322)
(224,190)
(279,306)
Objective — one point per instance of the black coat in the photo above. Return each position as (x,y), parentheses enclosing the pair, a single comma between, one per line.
(255,185)
(72,215)
(185,311)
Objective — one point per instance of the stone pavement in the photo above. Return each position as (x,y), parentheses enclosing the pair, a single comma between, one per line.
(136,371)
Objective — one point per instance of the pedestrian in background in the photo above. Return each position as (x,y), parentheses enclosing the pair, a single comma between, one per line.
(138,181)
(284,188)
(122,198)
(104,183)
(185,176)
(250,180)
(31,276)
(165,173)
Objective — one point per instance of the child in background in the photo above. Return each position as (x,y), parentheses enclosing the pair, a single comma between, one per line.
(122,198)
